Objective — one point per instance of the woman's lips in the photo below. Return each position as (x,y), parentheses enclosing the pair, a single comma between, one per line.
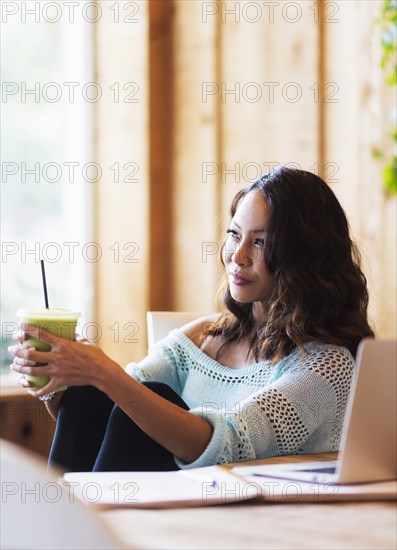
(239,280)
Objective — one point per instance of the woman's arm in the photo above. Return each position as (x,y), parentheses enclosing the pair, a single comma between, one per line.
(182,433)
(75,363)
(298,410)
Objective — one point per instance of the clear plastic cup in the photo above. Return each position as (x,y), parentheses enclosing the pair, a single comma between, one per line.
(58,321)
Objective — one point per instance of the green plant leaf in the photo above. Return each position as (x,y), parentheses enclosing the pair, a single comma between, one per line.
(386,24)
(377,153)
(390,177)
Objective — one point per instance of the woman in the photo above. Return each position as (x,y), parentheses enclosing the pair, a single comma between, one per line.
(270,376)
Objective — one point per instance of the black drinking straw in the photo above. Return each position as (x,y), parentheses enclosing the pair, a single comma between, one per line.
(44,284)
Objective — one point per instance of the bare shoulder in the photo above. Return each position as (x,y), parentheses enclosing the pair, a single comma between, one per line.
(195,329)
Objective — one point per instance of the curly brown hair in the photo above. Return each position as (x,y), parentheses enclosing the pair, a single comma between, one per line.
(320,292)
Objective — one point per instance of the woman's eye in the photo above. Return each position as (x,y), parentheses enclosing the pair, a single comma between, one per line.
(232,233)
(259,242)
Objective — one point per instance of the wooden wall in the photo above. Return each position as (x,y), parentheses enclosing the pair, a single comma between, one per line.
(25,421)
(229,90)
(123,198)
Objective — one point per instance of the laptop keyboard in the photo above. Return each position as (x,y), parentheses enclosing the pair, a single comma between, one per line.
(329,470)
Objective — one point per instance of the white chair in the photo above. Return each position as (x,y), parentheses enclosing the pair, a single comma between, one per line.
(160,323)
(39,511)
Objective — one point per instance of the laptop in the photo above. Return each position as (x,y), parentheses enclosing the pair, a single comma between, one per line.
(369,434)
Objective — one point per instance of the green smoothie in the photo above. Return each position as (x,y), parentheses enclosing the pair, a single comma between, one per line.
(58,321)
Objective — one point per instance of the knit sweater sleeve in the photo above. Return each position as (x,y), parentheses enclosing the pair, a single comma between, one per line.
(160,365)
(300,412)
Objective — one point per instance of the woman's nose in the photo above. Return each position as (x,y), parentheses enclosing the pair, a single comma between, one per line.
(240,255)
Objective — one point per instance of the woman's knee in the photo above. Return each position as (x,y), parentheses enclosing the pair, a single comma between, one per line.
(165,391)
(122,416)
(84,402)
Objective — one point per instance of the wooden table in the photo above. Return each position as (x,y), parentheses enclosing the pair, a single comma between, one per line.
(260,526)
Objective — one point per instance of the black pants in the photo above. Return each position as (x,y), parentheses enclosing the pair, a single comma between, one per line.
(94,434)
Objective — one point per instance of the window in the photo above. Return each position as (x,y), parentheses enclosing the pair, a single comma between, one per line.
(47,171)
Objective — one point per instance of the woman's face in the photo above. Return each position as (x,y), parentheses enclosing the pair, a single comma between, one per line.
(249,279)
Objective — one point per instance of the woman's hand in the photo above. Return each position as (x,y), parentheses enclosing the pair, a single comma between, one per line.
(70,363)
(80,363)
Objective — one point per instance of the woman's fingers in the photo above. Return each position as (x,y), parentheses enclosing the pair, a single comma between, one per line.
(82,340)
(19,336)
(13,349)
(19,355)
(26,359)
(23,382)
(31,370)
(23,353)
(67,363)
(40,334)
(20,360)
(60,365)
(53,384)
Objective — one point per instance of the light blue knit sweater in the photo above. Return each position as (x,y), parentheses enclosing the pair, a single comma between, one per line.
(293,407)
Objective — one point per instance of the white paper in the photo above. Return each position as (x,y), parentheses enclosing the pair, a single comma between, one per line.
(288,490)
(198,487)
